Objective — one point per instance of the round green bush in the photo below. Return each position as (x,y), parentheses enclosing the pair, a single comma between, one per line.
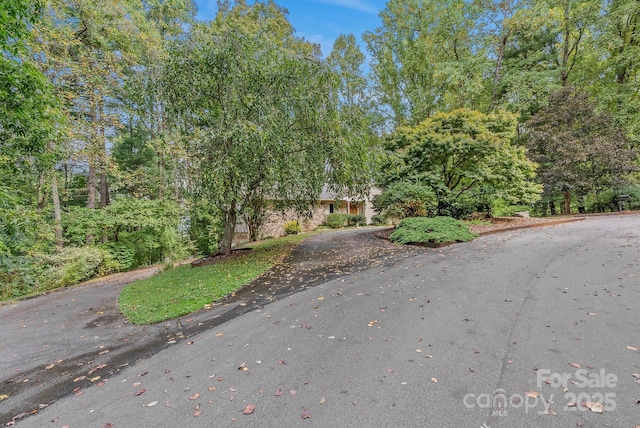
(336,220)
(292,228)
(438,229)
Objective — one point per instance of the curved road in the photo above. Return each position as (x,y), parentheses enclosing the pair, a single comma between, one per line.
(505,331)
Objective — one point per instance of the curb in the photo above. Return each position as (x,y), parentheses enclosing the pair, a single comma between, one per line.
(531,226)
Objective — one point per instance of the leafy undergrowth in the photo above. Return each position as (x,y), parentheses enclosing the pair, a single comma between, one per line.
(438,229)
(183,290)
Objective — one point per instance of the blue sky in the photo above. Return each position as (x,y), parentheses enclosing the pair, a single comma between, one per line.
(321,21)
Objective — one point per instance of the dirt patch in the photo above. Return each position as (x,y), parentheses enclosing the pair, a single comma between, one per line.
(219,257)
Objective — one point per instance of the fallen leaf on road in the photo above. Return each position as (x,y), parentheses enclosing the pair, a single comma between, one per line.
(139,392)
(219,334)
(532,394)
(101,366)
(593,406)
(591,314)
(293,392)
(194,396)
(575,365)
(106,351)
(107,425)
(243,367)
(632,348)
(306,414)
(282,362)
(552,412)
(249,409)
(50,366)
(572,404)
(372,323)
(93,379)
(434,380)
(153,403)
(3,397)
(278,392)
(212,388)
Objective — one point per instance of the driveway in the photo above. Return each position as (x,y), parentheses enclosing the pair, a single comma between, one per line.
(508,330)
(50,343)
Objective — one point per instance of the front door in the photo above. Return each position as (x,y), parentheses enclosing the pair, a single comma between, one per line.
(353,209)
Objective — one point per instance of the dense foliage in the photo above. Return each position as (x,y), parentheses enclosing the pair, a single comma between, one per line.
(462,158)
(131,133)
(419,230)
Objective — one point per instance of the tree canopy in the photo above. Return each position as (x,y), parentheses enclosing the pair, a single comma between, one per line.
(462,154)
(118,106)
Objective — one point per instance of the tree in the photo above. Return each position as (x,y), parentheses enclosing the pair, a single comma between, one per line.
(143,95)
(260,120)
(458,153)
(578,149)
(425,57)
(29,121)
(615,79)
(84,48)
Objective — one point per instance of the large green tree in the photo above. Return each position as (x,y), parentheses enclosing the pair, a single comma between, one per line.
(579,149)
(460,155)
(261,120)
(425,58)
(28,123)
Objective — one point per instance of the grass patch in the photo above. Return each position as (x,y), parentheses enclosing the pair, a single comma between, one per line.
(184,290)
(438,229)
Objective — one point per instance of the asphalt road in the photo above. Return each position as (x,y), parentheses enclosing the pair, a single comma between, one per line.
(501,332)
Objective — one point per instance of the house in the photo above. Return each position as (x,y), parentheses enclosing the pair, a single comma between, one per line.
(329,202)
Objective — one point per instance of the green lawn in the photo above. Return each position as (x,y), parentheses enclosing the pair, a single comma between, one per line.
(183,290)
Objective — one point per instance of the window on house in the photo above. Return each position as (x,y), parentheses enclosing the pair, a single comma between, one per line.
(331,208)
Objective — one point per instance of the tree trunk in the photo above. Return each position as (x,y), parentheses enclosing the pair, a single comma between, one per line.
(104,198)
(552,207)
(91,195)
(104,191)
(231,217)
(497,71)
(42,200)
(567,202)
(161,179)
(57,214)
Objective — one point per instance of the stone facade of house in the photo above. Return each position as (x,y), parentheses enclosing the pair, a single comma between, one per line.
(276,220)
(274,224)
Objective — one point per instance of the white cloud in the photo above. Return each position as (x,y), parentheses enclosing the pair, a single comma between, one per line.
(361,5)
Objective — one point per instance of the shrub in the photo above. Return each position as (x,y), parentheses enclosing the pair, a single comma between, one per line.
(292,228)
(72,265)
(379,220)
(405,200)
(24,275)
(501,208)
(437,229)
(356,220)
(336,220)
